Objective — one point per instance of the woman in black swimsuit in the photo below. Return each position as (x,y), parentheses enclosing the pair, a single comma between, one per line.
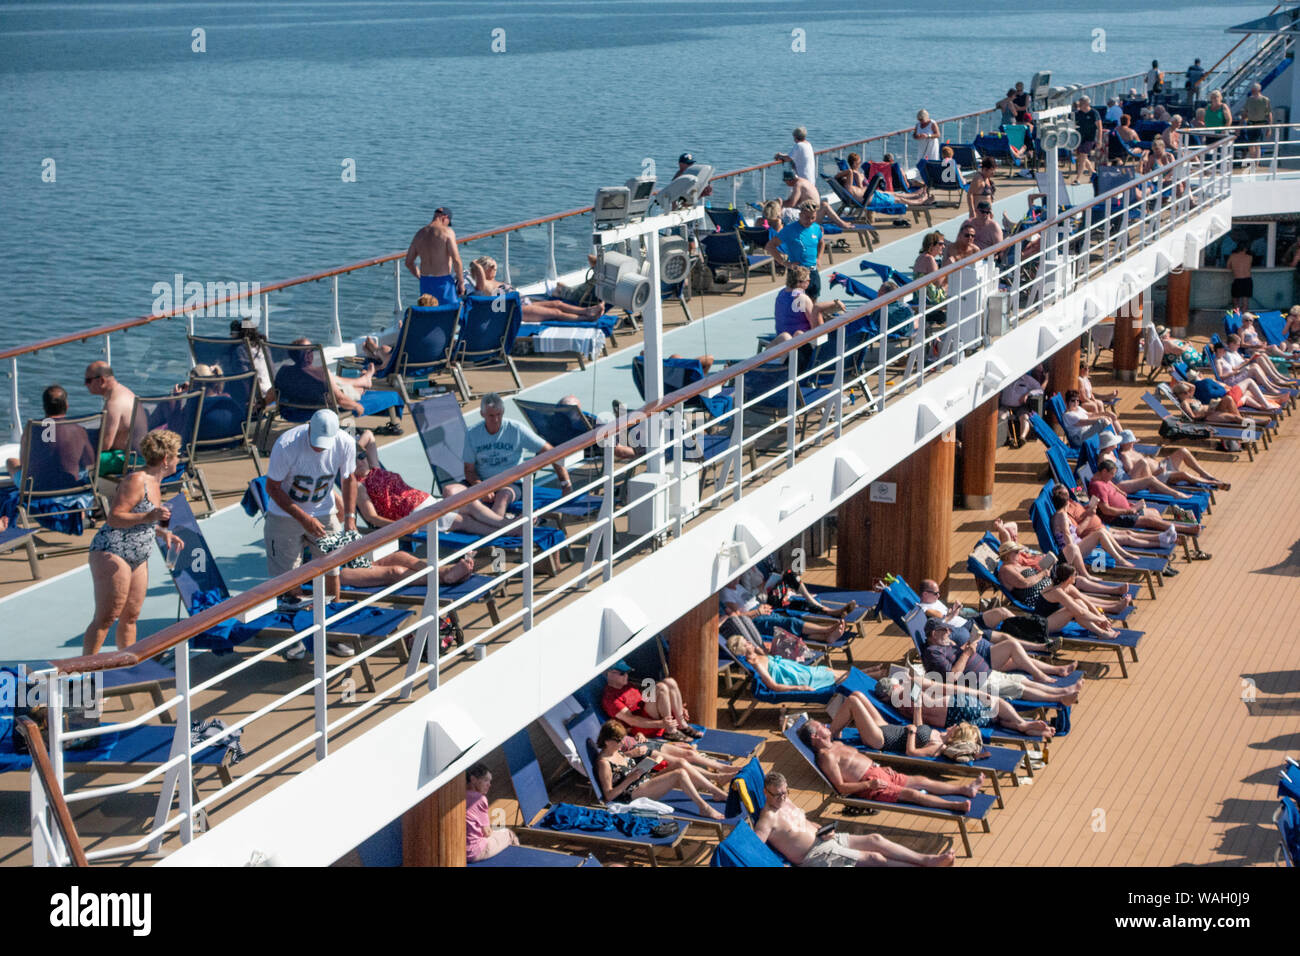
(621,779)
(1050,594)
(119,553)
(982,187)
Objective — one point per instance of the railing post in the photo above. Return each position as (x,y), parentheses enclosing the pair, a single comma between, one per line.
(738,434)
(528,551)
(505,265)
(791,403)
(266,314)
(607,532)
(839,382)
(108,349)
(1277,145)
(433,630)
(762,182)
(40,817)
(735,190)
(679,454)
(54,721)
(184,717)
(320,649)
(15,413)
(397,287)
(551,272)
(334,296)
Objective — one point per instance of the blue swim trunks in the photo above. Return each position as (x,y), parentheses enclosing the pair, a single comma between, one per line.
(442,288)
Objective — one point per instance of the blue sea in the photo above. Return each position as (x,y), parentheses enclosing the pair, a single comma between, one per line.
(227,163)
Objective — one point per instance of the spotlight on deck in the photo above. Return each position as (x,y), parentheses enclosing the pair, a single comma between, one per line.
(674,259)
(619,281)
(685,189)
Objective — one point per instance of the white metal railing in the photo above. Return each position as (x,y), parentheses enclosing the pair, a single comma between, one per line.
(748,185)
(778,414)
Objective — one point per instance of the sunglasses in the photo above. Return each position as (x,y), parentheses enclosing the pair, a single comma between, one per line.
(93,378)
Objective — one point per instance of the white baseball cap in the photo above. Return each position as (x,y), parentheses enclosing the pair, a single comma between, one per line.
(323,427)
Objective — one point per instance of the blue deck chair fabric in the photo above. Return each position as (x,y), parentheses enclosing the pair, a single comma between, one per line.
(294,373)
(584,729)
(424,346)
(554,422)
(724,220)
(136,745)
(530,856)
(199,581)
(727,249)
(59,472)
(886,273)
(1288,813)
(16,536)
(226,415)
(682,373)
(945,175)
(534,802)
(742,847)
(1272,327)
(488,327)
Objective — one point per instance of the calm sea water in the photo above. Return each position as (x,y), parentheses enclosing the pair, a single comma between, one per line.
(227,164)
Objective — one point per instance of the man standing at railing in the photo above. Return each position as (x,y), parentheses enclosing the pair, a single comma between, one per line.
(1194,74)
(1259,112)
(300,481)
(801,243)
(440,271)
(801,156)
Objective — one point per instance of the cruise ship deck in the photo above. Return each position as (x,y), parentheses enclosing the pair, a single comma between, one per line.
(1174,765)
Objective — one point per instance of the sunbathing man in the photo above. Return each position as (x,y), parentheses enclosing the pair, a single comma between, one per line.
(1228,356)
(662,714)
(1127,483)
(1219,411)
(787,829)
(944,705)
(1179,466)
(1116,510)
(803,191)
(853,774)
(855,181)
(911,740)
(990,667)
(1245,394)
(440,271)
(347,391)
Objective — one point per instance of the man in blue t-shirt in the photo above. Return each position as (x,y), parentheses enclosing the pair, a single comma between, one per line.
(801,243)
(495,445)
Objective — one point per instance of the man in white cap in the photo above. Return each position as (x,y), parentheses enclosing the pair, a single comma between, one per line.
(300,482)
(1129,483)
(1178,467)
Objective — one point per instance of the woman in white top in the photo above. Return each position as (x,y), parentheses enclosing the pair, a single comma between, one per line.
(927,130)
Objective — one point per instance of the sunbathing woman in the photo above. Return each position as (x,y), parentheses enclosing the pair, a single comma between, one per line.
(347,391)
(1050,595)
(855,181)
(675,755)
(484,271)
(1178,467)
(945,705)
(781,675)
(621,779)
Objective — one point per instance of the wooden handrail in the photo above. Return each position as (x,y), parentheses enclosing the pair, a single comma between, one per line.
(82,335)
(184,629)
(53,792)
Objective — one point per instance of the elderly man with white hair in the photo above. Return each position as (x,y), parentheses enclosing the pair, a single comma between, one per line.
(1178,467)
(1259,112)
(495,445)
(801,156)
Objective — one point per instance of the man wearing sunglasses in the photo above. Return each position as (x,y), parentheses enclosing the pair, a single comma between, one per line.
(440,271)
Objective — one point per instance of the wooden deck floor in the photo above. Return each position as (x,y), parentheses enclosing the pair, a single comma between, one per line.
(1177,765)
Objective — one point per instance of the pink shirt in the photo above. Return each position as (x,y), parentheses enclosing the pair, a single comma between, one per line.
(1109,495)
(478,824)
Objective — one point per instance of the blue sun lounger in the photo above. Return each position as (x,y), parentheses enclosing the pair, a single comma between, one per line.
(534,803)
(1287,816)
(760,694)
(1248,435)
(1000,760)
(742,847)
(585,728)
(1199,496)
(486,337)
(199,581)
(532,856)
(979,804)
(1072,635)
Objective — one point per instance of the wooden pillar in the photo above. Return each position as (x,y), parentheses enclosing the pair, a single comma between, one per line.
(433,831)
(1128,340)
(1063,368)
(693,660)
(978,432)
(1178,299)
(907,530)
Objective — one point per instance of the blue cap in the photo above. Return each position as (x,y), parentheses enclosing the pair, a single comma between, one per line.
(622,666)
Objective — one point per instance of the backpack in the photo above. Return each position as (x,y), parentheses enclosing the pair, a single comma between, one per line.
(1172,429)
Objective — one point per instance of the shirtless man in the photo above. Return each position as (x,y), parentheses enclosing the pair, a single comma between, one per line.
(119,401)
(854,774)
(787,829)
(440,271)
(1243,285)
(801,191)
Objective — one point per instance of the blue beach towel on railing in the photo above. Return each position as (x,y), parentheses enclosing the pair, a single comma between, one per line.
(565,816)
